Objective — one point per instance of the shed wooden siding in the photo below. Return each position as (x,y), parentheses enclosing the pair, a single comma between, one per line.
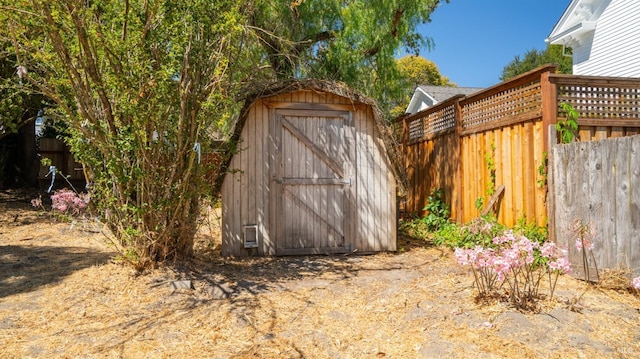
(247,189)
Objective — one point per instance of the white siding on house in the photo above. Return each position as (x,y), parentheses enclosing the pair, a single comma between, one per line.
(614,49)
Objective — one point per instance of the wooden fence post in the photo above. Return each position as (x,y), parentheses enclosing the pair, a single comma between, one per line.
(549,105)
(549,119)
(456,198)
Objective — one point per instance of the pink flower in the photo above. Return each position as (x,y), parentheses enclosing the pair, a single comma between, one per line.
(508,236)
(37,202)
(584,233)
(462,256)
(583,241)
(66,200)
(635,283)
(502,266)
(561,265)
(548,249)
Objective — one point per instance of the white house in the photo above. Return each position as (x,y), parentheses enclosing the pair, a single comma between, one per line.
(426,96)
(604,36)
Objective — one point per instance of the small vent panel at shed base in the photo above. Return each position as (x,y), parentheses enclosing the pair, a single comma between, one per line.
(251,236)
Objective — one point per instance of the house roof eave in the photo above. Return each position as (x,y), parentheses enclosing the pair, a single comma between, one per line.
(575,32)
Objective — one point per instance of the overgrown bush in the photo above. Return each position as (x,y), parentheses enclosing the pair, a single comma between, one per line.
(140,85)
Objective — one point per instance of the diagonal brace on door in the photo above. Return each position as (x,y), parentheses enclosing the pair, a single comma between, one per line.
(335,166)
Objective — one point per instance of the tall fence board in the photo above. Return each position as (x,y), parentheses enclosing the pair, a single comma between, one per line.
(447,146)
(598,182)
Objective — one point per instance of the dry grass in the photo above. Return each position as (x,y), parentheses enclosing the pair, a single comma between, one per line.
(61,295)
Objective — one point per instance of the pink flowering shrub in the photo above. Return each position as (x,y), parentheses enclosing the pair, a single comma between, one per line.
(635,283)
(69,202)
(518,262)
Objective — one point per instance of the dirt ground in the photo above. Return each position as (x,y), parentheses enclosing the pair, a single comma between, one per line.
(63,296)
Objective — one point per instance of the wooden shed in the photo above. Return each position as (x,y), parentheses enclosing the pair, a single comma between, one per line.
(314,173)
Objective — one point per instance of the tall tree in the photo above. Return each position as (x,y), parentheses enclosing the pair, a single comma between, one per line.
(416,70)
(533,58)
(350,41)
(138,82)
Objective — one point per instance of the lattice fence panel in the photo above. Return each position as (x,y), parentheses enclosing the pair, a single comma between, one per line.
(515,102)
(601,102)
(433,122)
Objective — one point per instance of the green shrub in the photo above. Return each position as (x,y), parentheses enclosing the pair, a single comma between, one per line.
(438,211)
(479,231)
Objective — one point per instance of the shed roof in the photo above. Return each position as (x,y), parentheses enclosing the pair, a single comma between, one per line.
(336,88)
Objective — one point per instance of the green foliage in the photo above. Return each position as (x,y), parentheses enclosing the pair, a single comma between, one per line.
(568,128)
(436,218)
(490,159)
(415,228)
(350,41)
(479,203)
(139,84)
(490,189)
(536,58)
(46,162)
(19,101)
(438,210)
(416,70)
(478,232)
(542,170)
(535,233)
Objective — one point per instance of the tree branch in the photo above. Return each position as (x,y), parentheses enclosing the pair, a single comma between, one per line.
(372,51)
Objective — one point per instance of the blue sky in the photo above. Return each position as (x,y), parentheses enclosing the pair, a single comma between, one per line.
(475,39)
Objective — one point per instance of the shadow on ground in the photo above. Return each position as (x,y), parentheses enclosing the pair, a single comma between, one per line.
(25,268)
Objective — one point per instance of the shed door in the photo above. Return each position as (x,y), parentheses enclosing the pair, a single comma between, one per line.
(312,180)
